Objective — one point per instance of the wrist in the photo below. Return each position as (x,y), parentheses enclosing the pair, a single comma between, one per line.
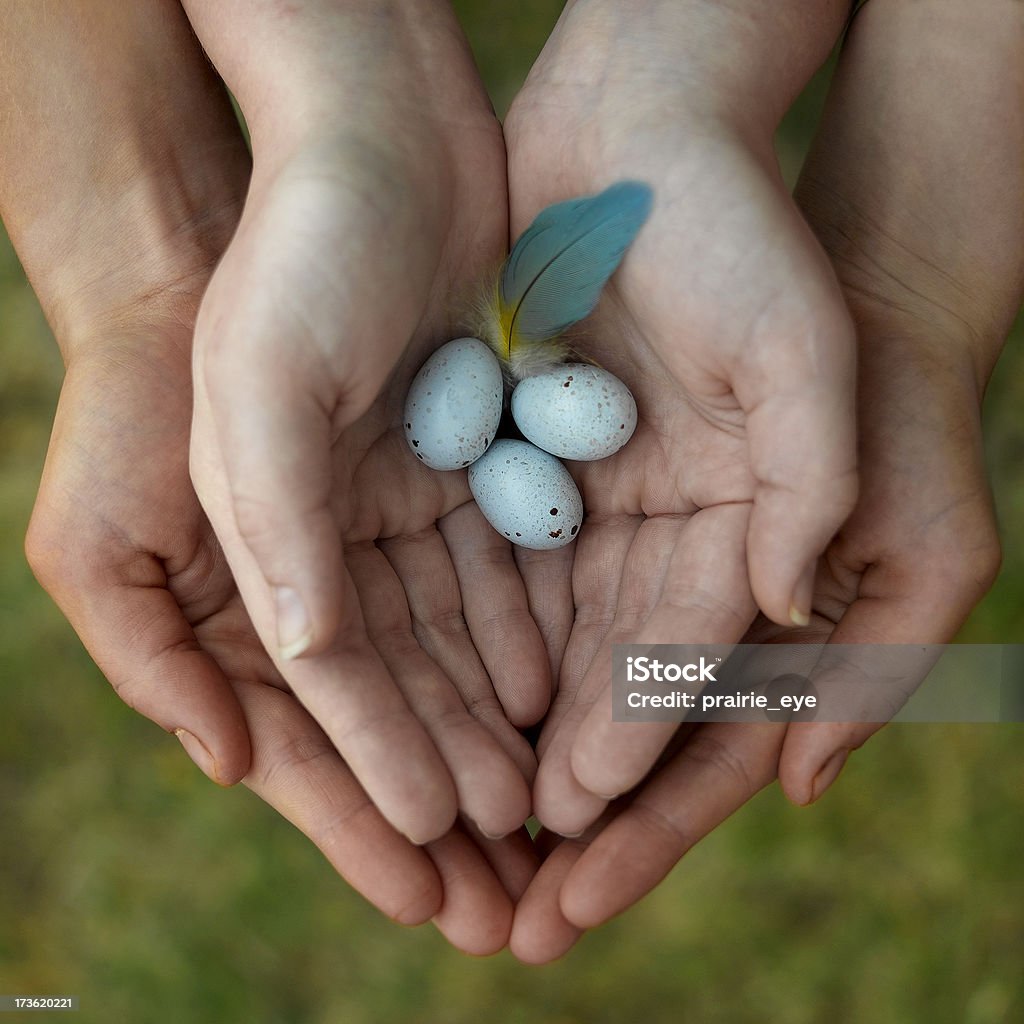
(900,344)
(395,74)
(728,67)
(915,183)
(123,166)
(140,259)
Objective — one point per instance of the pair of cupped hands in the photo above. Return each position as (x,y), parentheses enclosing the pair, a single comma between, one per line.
(232,522)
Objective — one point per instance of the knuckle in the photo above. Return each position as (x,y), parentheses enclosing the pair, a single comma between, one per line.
(975,567)
(397,638)
(662,831)
(988,559)
(445,623)
(146,661)
(721,761)
(844,493)
(490,559)
(296,757)
(503,629)
(451,718)
(483,707)
(43,551)
(126,688)
(278,522)
(256,520)
(683,604)
(59,555)
(831,495)
(962,554)
(389,726)
(217,360)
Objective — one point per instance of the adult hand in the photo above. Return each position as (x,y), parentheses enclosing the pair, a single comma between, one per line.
(930,250)
(728,325)
(389,606)
(121,543)
(119,242)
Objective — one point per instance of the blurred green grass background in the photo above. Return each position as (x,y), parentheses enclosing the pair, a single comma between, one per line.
(128,879)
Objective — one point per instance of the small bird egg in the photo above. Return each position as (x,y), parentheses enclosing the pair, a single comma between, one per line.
(454,405)
(575,411)
(527,495)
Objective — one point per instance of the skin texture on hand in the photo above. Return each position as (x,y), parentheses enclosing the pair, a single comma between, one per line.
(930,250)
(120,540)
(122,544)
(118,240)
(372,579)
(921,547)
(120,246)
(727,324)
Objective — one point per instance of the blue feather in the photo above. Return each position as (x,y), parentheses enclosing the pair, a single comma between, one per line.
(554,275)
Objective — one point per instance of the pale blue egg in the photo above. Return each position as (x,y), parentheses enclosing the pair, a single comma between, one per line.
(575,411)
(454,405)
(527,495)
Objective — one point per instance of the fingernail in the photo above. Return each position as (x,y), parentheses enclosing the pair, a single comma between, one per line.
(803,594)
(294,630)
(828,773)
(203,759)
(494,837)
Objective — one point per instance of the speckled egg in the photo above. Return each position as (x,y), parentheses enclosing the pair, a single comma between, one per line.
(575,411)
(454,405)
(527,495)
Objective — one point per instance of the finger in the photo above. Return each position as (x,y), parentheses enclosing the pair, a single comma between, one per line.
(352,693)
(561,803)
(547,579)
(497,612)
(491,789)
(873,678)
(117,602)
(609,554)
(476,915)
(704,599)
(297,771)
(540,931)
(602,550)
(273,387)
(513,859)
(721,766)
(348,689)
(801,429)
(908,595)
(435,603)
(273,433)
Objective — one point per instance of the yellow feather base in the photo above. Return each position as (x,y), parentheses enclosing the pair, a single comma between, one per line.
(492,323)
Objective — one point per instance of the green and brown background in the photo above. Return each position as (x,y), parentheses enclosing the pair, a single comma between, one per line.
(128,879)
